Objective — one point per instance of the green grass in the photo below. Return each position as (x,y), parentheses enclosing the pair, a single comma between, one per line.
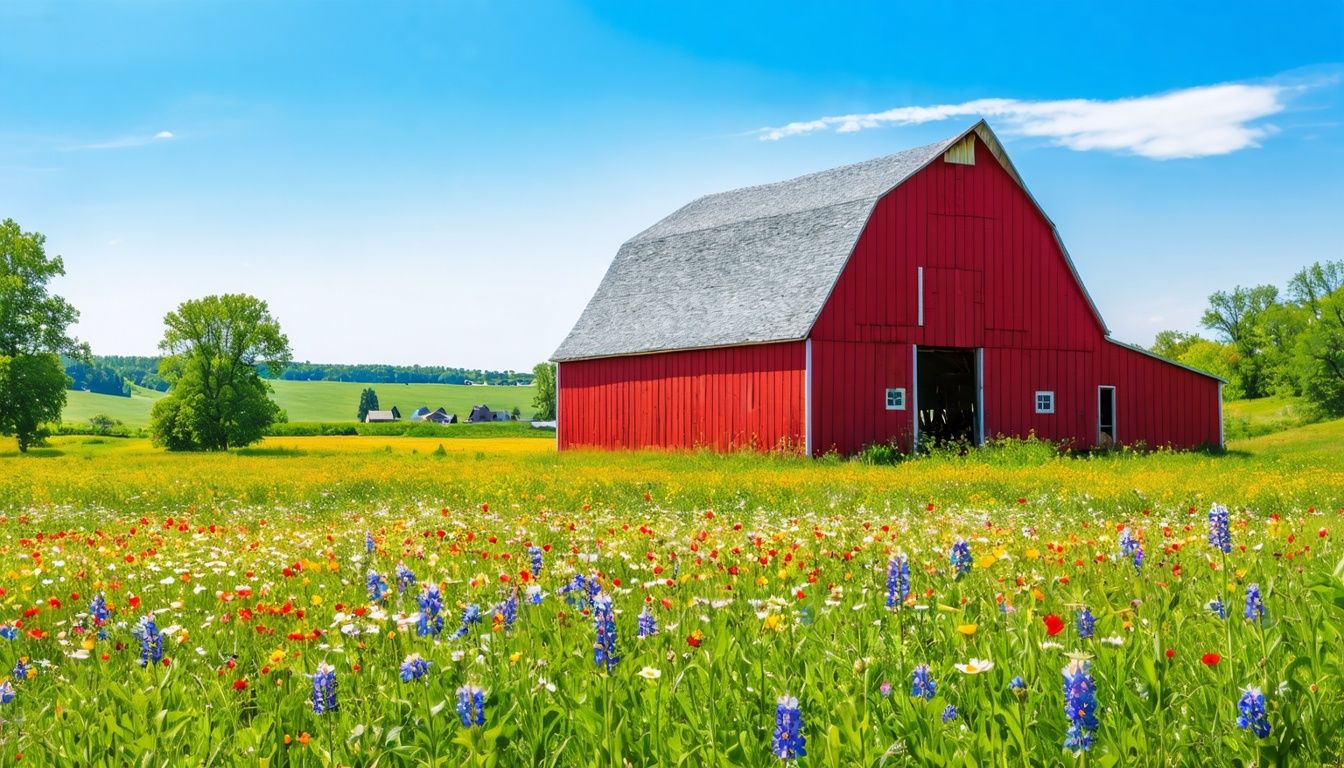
(1262,416)
(325,401)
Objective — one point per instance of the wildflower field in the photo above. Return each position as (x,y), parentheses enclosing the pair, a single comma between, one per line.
(403,601)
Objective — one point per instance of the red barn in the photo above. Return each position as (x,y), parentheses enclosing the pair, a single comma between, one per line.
(916,296)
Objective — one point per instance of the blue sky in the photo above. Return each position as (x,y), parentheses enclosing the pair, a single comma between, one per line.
(445,183)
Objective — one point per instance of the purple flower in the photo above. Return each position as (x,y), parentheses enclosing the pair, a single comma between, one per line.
(960,557)
(789,743)
(431,604)
(1251,712)
(604,629)
(98,609)
(648,625)
(151,642)
(1255,606)
(413,668)
(1131,548)
(538,560)
(376,585)
(1080,705)
(1219,535)
(921,685)
(6,692)
(324,689)
(949,713)
(405,578)
(471,706)
(898,580)
(1087,624)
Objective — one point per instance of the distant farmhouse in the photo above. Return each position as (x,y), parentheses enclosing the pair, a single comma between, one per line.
(378,417)
(480,413)
(437,416)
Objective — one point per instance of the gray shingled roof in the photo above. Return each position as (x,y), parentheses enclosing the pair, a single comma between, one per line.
(747,266)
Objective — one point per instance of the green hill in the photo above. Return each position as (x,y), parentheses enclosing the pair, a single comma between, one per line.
(330,401)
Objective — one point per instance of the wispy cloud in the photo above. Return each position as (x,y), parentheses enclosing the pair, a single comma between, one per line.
(125,142)
(1193,122)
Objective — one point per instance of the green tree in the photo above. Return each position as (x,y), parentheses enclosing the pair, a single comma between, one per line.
(218,399)
(1237,316)
(1319,357)
(368,401)
(33,333)
(1173,344)
(543,378)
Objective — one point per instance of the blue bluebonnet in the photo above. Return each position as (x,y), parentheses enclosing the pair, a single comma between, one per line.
(604,630)
(368,542)
(377,586)
(324,689)
(6,692)
(507,610)
(413,668)
(98,609)
(20,672)
(8,632)
(898,580)
(1220,537)
(1255,606)
(1217,608)
(151,642)
(1251,712)
(789,742)
(1018,686)
(471,706)
(949,713)
(538,560)
(1087,624)
(580,591)
(534,594)
(648,625)
(1080,705)
(405,578)
(1131,548)
(470,615)
(431,608)
(960,557)
(921,685)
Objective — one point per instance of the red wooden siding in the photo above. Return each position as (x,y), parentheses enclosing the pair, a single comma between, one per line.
(737,397)
(994,277)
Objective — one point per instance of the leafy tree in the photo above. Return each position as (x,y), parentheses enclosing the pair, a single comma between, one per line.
(33,334)
(1216,358)
(1173,344)
(543,377)
(1316,282)
(1319,357)
(368,401)
(218,399)
(517,413)
(1237,316)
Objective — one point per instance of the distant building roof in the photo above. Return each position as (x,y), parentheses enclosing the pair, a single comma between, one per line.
(381,416)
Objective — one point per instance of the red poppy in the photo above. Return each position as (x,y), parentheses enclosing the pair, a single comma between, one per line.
(1171,653)
(1053,625)
(239,685)
(695,638)
(1211,659)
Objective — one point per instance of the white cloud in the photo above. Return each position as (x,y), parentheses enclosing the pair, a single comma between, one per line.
(1194,122)
(125,142)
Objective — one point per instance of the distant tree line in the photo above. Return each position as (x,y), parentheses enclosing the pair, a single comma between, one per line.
(105,374)
(1271,342)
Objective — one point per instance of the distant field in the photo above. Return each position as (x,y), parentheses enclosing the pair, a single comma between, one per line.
(1249,418)
(318,401)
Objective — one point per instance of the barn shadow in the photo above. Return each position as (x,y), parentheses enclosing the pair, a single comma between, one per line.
(280,452)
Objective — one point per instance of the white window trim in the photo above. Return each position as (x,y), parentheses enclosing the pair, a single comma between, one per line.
(900,395)
(1046,392)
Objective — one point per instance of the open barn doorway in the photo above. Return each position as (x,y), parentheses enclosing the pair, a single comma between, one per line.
(947,399)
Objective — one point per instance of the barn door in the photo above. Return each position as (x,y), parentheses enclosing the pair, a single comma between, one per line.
(1105,416)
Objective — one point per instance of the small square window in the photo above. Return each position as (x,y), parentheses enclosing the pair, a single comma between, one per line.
(1045,402)
(896,399)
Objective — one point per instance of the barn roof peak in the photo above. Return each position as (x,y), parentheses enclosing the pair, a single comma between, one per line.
(746,266)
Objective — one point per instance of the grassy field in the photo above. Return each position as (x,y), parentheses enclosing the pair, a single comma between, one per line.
(1249,418)
(192,609)
(326,401)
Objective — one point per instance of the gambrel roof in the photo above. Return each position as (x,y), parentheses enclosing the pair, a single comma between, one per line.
(748,266)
